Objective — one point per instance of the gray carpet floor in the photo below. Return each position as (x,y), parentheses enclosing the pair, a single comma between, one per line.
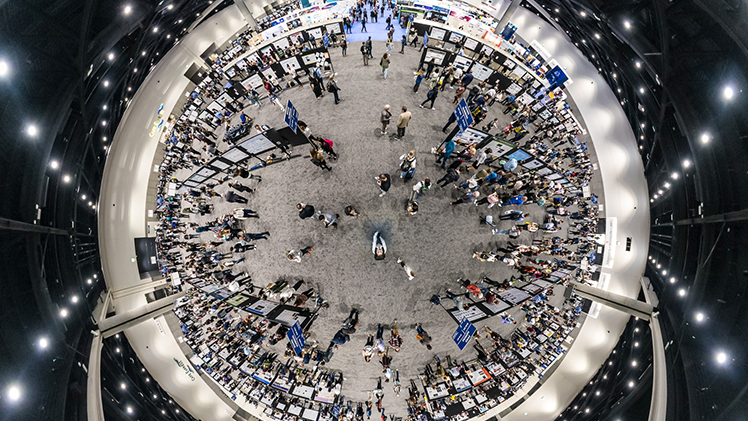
(437,243)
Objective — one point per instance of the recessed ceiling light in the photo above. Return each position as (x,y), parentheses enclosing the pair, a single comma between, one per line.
(699,317)
(728,92)
(721,357)
(705,138)
(106,83)
(14,393)
(627,24)
(32,130)
(43,343)
(74,299)
(682,292)
(110,56)
(63,313)
(686,163)
(127,9)
(3,68)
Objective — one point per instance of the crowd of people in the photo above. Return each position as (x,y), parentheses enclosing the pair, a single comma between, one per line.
(239,347)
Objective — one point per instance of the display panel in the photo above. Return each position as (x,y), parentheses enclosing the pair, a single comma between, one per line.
(438,33)
(455,37)
(481,72)
(219,164)
(234,155)
(533,163)
(257,144)
(206,172)
(462,61)
(281,44)
(439,56)
(519,155)
(470,44)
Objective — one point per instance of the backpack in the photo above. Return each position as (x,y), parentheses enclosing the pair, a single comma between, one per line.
(330,87)
(435,300)
(431,94)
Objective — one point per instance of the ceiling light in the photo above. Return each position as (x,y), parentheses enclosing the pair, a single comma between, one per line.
(167,37)
(116,335)
(633,363)
(103,106)
(686,163)
(582,13)
(63,313)
(3,68)
(610,362)
(14,393)
(171,6)
(728,92)
(176,410)
(664,272)
(651,200)
(89,282)
(154,396)
(659,266)
(135,70)
(74,299)
(127,10)
(95,276)
(31,130)
(721,358)
(636,344)
(54,165)
(627,24)
(117,351)
(699,317)
(90,203)
(631,384)
(129,410)
(667,185)
(83,197)
(682,292)
(656,196)
(556,10)
(43,343)
(106,83)
(147,379)
(705,138)
(659,191)
(636,330)
(674,176)
(110,56)
(104,138)
(597,36)
(142,53)
(619,89)
(155,29)
(672,280)
(103,122)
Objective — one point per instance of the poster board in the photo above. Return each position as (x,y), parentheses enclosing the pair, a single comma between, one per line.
(298,37)
(486,50)
(333,27)
(481,72)
(437,33)
(281,44)
(519,71)
(509,63)
(470,44)
(513,89)
(315,32)
(293,62)
(519,155)
(462,61)
(254,82)
(470,136)
(433,54)
(500,148)
(455,37)
(257,144)
(533,164)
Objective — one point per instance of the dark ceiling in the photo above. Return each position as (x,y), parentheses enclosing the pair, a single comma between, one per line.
(60,77)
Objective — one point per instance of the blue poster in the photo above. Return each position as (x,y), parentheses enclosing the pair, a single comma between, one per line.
(463,334)
(556,77)
(296,337)
(508,32)
(464,117)
(292,116)
(326,39)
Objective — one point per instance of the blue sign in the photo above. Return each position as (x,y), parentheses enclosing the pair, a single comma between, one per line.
(556,77)
(296,337)
(508,32)
(463,334)
(335,411)
(292,116)
(464,117)
(326,39)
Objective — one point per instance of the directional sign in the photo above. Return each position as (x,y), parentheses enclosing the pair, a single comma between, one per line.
(296,337)
(464,332)
(326,39)
(464,117)
(292,116)
(335,411)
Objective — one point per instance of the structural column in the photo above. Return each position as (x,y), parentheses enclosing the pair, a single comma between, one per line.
(244,9)
(508,14)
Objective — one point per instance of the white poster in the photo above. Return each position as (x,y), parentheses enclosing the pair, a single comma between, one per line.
(487,50)
(471,136)
(333,27)
(281,44)
(470,44)
(297,37)
(509,63)
(519,71)
(254,81)
(455,37)
(481,72)
(526,98)
(514,89)
(436,55)
(290,62)
(437,33)
(463,62)
(315,32)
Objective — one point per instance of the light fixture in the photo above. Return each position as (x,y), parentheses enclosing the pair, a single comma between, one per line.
(32,130)
(721,357)
(117,351)
(627,24)
(14,393)
(63,313)
(74,299)
(129,89)
(54,164)
(110,56)
(104,138)
(633,363)
(728,92)
(619,89)
(659,266)
(664,272)
(672,280)
(90,203)
(127,10)
(116,335)
(3,68)
(95,276)
(659,191)
(556,10)
(89,281)
(641,90)
(636,330)
(656,196)
(705,138)
(147,379)
(674,176)
(83,197)
(582,13)
(106,83)
(142,53)
(43,343)
(129,410)
(597,36)
(631,384)
(636,344)
(171,6)
(103,106)
(103,122)
(699,317)
(154,396)
(682,292)
(686,163)
(167,37)
(135,70)
(155,29)
(638,65)
(667,185)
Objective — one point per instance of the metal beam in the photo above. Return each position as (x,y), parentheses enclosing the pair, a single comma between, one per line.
(13,225)
(737,216)
(658,402)
(619,302)
(94,405)
(116,324)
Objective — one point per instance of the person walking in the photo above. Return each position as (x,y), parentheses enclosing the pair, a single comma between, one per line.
(241,187)
(365,53)
(383,181)
(420,74)
(318,159)
(408,270)
(384,62)
(404,42)
(295,255)
(423,337)
(425,40)
(368,47)
(467,78)
(458,94)
(389,45)
(452,119)
(293,75)
(344,47)
(431,96)
(363,24)
(402,122)
(449,147)
(332,86)
(232,197)
(305,210)
(414,41)
(452,175)
(466,198)
(329,219)
(385,117)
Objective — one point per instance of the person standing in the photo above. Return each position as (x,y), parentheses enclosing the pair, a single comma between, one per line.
(467,78)
(363,24)
(449,147)
(458,94)
(232,197)
(452,175)
(318,159)
(402,122)
(385,63)
(332,86)
(389,45)
(431,96)
(420,74)
(295,255)
(404,42)
(368,47)
(408,270)
(344,47)
(408,163)
(305,210)
(423,337)
(293,75)
(241,187)
(383,181)
(365,53)
(385,118)
(329,219)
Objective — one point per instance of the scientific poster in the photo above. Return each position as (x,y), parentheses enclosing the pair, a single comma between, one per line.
(463,62)
(470,44)
(437,33)
(281,44)
(293,62)
(455,37)
(439,56)
(481,72)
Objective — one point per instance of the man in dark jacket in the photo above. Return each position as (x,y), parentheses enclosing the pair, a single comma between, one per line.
(232,197)
(452,175)
(305,211)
